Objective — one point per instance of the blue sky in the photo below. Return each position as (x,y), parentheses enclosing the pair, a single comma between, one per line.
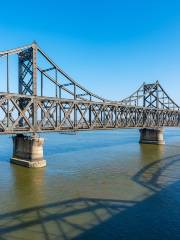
(110,47)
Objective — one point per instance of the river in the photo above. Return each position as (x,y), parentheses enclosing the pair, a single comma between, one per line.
(97,185)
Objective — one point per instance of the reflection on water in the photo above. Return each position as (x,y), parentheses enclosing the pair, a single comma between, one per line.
(97,185)
(28,185)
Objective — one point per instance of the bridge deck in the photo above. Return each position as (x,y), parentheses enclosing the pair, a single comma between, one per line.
(44,114)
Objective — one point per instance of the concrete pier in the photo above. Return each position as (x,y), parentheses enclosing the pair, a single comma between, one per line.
(28,151)
(151,136)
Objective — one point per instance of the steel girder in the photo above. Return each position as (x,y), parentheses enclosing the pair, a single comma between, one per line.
(54,114)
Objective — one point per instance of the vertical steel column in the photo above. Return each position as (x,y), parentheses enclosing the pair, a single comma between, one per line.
(34,86)
(144,104)
(111,115)
(157,97)
(157,105)
(144,101)
(20,85)
(56,96)
(34,47)
(7,68)
(41,84)
(7,89)
(28,79)
(75,111)
(104,114)
(101,116)
(59,106)
(115,115)
(90,111)
(41,93)
(56,82)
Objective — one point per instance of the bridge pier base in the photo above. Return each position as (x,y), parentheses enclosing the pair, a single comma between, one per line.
(151,136)
(28,151)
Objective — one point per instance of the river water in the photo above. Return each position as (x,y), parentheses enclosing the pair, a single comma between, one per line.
(97,185)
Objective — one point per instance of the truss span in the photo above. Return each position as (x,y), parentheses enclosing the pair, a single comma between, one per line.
(151,95)
(70,106)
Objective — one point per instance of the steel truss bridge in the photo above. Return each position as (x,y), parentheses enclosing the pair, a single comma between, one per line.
(47,99)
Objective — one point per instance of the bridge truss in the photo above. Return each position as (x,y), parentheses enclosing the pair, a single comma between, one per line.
(71,106)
